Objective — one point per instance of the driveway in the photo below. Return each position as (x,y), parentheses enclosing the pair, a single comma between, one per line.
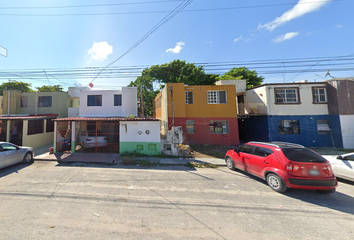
(47,200)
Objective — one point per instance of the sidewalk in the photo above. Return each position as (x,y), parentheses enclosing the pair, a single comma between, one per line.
(42,154)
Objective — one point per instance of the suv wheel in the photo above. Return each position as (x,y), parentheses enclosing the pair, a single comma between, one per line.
(230,163)
(276,183)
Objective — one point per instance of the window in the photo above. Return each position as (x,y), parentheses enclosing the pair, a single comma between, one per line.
(190,127)
(94,100)
(218,127)
(245,148)
(8,147)
(323,127)
(45,101)
(118,100)
(139,147)
(286,95)
(319,95)
(289,127)
(50,125)
(24,102)
(262,152)
(302,155)
(216,97)
(35,126)
(151,146)
(189,97)
(71,103)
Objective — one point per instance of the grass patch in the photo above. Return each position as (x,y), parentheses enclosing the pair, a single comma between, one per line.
(210,151)
(200,165)
(145,163)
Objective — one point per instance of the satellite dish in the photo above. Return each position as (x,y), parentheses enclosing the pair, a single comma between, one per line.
(91,85)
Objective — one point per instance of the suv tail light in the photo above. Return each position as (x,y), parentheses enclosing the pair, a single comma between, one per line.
(293,167)
(88,140)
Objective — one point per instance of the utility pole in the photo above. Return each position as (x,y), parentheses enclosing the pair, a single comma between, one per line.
(142,101)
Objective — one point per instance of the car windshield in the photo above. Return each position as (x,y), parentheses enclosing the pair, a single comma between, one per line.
(302,155)
(93,134)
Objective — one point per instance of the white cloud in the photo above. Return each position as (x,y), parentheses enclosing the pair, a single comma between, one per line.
(286,36)
(177,48)
(339,26)
(237,39)
(100,50)
(208,42)
(301,8)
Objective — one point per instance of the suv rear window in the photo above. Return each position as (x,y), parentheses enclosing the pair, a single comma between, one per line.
(302,155)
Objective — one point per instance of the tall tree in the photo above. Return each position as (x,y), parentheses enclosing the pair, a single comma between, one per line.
(251,77)
(146,85)
(176,71)
(45,88)
(15,85)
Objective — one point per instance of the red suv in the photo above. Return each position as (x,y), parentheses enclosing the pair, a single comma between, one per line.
(284,165)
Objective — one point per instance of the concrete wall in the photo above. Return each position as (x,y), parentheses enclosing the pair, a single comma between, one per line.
(15,102)
(239,84)
(305,106)
(137,134)
(128,108)
(36,140)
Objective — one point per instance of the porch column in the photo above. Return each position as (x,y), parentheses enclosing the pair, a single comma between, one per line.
(8,129)
(55,137)
(73,137)
(24,132)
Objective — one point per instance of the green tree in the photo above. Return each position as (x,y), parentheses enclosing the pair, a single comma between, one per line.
(146,84)
(251,77)
(176,71)
(15,85)
(179,71)
(45,88)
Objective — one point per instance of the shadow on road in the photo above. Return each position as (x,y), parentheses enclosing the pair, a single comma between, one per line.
(12,169)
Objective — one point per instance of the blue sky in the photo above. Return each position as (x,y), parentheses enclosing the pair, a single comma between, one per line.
(52,35)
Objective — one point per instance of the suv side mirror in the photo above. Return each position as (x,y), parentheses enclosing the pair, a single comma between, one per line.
(339,157)
(236,149)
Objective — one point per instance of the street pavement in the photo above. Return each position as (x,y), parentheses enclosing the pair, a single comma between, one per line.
(42,154)
(75,200)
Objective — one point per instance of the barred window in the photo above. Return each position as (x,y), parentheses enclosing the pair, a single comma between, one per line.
(189,97)
(323,127)
(24,102)
(216,97)
(190,127)
(218,127)
(118,100)
(289,126)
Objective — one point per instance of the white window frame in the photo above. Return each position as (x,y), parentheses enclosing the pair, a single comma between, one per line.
(317,95)
(286,95)
(187,97)
(214,97)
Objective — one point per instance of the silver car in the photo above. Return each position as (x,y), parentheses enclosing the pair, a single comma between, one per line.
(89,139)
(11,154)
(343,165)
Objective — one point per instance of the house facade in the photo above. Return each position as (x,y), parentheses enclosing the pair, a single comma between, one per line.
(107,122)
(207,114)
(290,112)
(27,116)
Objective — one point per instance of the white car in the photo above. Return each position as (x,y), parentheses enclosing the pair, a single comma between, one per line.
(11,154)
(343,165)
(88,139)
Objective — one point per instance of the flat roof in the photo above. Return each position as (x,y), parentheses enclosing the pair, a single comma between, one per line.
(106,119)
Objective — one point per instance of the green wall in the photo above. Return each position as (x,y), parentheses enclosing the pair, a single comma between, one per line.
(141,147)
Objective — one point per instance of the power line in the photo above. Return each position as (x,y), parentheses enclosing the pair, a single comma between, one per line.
(173,13)
(157,12)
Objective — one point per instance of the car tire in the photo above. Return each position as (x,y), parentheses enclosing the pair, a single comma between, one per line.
(276,183)
(230,163)
(28,158)
(330,191)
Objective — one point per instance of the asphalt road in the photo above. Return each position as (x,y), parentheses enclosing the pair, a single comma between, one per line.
(46,200)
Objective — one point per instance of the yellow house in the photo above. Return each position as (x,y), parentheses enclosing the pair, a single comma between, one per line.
(206,113)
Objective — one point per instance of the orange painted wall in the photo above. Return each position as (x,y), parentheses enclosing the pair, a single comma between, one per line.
(157,107)
(200,107)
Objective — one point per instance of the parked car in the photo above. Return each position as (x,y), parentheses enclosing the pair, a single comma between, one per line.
(88,139)
(11,154)
(343,165)
(284,165)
